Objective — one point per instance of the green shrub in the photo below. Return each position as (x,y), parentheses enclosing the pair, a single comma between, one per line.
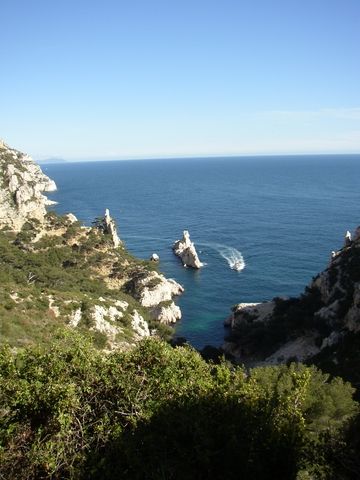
(154,412)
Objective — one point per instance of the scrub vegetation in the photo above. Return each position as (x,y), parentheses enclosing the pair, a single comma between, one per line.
(155,412)
(45,275)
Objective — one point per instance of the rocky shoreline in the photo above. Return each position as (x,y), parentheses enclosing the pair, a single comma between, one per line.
(23,214)
(321,326)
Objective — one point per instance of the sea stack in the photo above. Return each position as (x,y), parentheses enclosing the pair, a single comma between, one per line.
(185,249)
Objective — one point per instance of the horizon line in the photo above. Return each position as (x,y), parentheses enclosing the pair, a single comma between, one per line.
(187,157)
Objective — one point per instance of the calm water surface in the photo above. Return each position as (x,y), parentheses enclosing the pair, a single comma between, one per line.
(282,215)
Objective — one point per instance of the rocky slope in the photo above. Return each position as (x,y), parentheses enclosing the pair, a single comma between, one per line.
(54,271)
(322,326)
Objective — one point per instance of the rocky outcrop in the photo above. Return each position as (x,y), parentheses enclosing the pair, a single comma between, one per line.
(109,228)
(312,327)
(185,249)
(249,312)
(347,239)
(71,217)
(166,313)
(156,292)
(152,288)
(21,185)
(109,320)
(139,325)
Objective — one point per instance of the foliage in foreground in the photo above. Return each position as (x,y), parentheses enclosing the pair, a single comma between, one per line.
(155,412)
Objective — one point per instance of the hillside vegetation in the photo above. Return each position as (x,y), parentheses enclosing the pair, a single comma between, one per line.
(49,272)
(68,411)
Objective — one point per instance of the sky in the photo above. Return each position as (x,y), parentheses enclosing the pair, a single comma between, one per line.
(116,79)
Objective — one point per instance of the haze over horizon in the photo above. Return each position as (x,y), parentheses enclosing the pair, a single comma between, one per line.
(116,80)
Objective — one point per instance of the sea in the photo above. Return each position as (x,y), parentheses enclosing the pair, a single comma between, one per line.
(275,218)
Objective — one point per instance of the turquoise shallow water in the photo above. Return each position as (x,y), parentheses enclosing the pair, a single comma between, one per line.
(284,215)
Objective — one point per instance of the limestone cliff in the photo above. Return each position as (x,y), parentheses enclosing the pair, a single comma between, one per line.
(319,326)
(21,185)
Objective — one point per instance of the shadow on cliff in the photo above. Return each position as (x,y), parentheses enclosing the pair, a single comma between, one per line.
(201,439)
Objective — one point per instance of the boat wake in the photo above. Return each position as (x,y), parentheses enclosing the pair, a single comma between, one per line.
(232,256)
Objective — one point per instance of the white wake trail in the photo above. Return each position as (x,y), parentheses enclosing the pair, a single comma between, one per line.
(232,256)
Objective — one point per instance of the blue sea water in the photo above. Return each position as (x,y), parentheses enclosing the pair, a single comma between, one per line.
(283,215)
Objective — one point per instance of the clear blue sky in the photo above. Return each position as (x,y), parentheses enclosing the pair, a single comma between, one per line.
(148,78)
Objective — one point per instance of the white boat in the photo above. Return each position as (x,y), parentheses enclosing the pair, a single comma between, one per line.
(238,265)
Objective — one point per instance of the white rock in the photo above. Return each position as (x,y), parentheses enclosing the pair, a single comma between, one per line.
(347,239)
(139,325)
(100,314)
(154,257)
(15,297)
(75,318)
(155,288)
(121,304)
(55,309)
(71,218)
(110,228)
(167,314)
(20,191)
(51,186)
(257,312)
(185,249)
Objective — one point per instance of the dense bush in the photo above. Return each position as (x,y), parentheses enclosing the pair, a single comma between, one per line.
(155,412)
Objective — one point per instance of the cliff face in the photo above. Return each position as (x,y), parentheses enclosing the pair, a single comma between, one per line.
(318,327)
(54,271)
(21,185)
